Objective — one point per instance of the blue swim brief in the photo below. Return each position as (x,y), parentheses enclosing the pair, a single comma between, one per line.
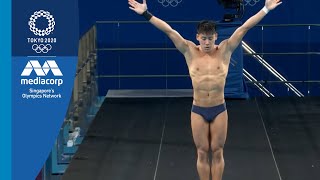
(209,113)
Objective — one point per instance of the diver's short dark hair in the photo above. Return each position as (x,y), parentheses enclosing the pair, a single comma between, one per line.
(206,26)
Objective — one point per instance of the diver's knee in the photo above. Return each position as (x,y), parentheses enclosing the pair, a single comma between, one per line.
(203,154)
(217,154)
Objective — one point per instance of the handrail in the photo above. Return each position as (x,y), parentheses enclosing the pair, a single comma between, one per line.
(266,81)
(173,49)
(218,23)
(285,53)
(186,75)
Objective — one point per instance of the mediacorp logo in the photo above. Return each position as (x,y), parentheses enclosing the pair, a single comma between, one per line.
(33,20)
(41,71)
(34,65)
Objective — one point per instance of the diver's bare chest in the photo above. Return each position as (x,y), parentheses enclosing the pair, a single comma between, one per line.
(207,65)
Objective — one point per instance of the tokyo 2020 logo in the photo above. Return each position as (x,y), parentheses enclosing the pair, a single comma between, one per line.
(33,20)
(166,3)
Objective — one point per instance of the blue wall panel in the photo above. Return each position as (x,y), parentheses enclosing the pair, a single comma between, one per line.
(176,63)
(292,67)
(142,63)
(254,39)
(179,83)
(314,67)
(285,39)
(108,63)
(108,35)
(142,83)
(288,12)
(141,35)
(133,34)
(107,83)
(314,39)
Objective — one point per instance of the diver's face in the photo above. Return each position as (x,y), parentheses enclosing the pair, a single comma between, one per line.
(207,41)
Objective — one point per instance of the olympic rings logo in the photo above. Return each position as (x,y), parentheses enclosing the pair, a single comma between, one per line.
(166,3)
(33,19)
(41,48)
(251,2)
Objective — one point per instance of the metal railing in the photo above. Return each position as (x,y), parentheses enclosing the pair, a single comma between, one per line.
(259,56)
(81,106)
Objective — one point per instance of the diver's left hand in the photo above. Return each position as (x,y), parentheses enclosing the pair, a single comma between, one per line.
(272,4)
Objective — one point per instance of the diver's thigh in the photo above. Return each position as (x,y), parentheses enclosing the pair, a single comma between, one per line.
(218,130)
(200,131)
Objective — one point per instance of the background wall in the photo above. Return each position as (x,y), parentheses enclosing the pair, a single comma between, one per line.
(290,12)
(287,37)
